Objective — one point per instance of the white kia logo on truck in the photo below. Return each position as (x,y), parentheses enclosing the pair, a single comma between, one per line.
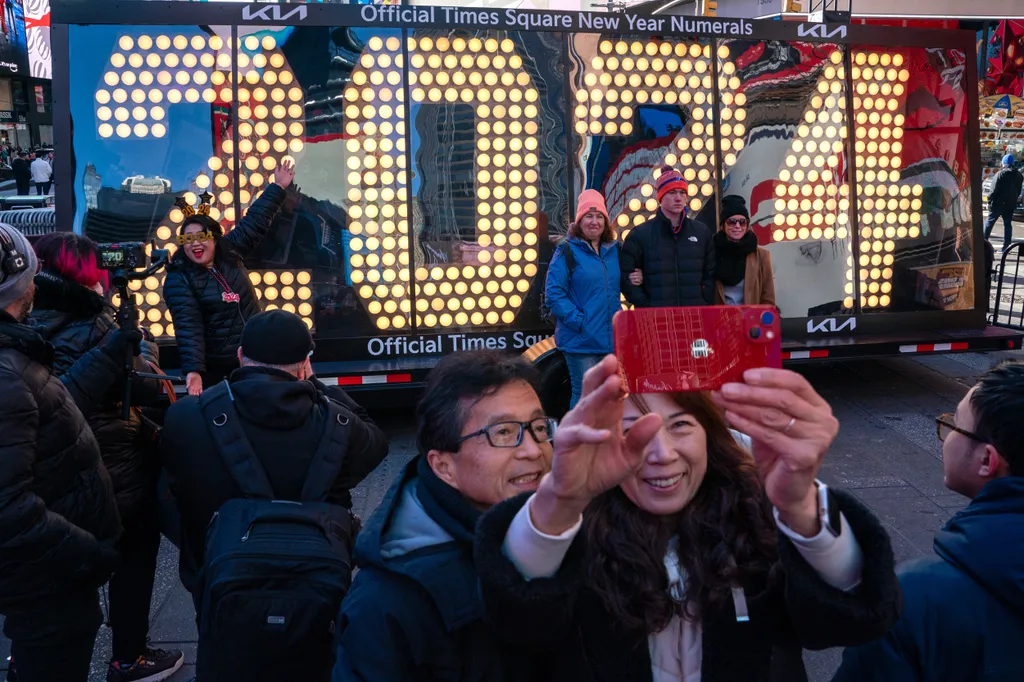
(272,13)
(831,325)
(820,31)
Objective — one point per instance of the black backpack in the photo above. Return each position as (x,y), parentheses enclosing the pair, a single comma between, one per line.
(570,263)
(275,571)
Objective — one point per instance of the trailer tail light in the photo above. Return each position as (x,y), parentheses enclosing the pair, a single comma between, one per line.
(367,379)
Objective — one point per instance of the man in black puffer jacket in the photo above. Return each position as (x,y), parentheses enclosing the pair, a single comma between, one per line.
(58,518)
(71,314)
(208,290)
(675,253)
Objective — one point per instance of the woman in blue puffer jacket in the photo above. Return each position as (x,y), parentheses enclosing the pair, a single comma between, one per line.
(582,289)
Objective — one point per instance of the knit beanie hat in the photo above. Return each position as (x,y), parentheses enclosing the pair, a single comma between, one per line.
(1008,160)
(733,205)
(14,285)
(276,337)
(590,199)
(669,180)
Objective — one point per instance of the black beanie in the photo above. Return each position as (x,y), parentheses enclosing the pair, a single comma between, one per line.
(276,337)
(734,205)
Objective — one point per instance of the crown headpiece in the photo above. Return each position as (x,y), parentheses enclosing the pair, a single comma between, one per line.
(202,209)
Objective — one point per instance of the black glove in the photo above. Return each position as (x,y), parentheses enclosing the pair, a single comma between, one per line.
(121,340)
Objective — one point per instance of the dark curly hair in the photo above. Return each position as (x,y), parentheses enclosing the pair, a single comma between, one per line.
(727,537)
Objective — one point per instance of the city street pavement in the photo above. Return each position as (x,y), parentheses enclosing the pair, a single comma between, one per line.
(887,453)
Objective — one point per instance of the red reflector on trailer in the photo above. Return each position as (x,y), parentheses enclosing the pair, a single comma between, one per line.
(804,354)
(934,347)
(368,379)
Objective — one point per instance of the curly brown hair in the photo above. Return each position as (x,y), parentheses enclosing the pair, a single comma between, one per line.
(727,536)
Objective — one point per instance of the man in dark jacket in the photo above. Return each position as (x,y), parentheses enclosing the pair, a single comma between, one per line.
(283,416)
(58,518)
(413,612)
(963,616)
(674,252)
(22,174)
(1002,200)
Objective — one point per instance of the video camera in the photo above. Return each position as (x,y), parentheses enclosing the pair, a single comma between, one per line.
(123,260)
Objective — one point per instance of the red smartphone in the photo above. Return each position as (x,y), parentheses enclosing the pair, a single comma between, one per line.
(664,350)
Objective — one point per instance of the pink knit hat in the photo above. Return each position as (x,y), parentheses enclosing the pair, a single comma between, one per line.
(591,198)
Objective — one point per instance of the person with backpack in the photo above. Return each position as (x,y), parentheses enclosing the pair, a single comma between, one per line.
(582,289)
(261,466)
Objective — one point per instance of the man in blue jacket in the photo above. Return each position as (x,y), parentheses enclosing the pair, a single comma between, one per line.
(963,616)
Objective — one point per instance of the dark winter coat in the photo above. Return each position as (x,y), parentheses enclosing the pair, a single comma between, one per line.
(284,420)
(58,517)
(413,613)
(584,302)
(1006,187)
(207,328)
(963,617)
(678,269)
(75,320)
(563,616)
(20,168)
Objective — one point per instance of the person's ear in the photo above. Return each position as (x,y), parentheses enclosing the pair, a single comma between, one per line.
(992,464)
(240,356)
(444,467)
(307,370)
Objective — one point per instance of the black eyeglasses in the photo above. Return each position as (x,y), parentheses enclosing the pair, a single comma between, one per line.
(945,426)
(510,434)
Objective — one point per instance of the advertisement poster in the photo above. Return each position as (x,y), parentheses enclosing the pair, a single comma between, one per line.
(946,287)
(13,43)
(37,31)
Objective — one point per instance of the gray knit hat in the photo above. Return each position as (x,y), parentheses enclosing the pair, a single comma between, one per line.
(13,287)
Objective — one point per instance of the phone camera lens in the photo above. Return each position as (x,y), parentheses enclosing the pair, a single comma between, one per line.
(755,332)
(767,317)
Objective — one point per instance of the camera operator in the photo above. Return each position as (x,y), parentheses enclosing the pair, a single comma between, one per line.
(207,287)
(71,313)
(58,516)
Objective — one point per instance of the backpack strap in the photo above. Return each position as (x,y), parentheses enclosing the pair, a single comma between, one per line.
(330,454)
(570,259)
(225,427)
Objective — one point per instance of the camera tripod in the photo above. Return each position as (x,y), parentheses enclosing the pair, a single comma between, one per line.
(127,320)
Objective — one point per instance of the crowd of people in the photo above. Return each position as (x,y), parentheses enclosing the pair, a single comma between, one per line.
(30,168)
(664,537)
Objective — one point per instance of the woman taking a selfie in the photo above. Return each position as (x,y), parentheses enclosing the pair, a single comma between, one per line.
(743,270)
(657,549)
(582,288)
(207,287)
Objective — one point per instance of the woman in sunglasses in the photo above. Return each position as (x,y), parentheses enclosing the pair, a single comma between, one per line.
(743,270)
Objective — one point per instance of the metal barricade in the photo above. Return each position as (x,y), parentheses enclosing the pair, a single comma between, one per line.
(1007,302)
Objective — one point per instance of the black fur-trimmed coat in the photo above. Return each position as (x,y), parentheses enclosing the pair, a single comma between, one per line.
(561,615)
(75,320)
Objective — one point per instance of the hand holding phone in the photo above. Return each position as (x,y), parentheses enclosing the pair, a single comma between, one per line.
(667,350)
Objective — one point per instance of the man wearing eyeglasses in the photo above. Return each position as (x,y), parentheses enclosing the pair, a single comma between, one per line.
(963,616)
(413,612)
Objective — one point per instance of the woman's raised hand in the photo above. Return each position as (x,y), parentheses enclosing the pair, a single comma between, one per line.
(792,428)
(591,455)
(285,173)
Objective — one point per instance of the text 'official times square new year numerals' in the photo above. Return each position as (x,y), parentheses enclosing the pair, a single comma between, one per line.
(146,75)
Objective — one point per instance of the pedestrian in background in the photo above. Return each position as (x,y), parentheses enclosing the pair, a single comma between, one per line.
(1002,199)
(72,313)
(674,252)
(743,270)
(963,612)
(582,289)
(58,515)
(22,174)
(207,287)
(657,549)
(41,175)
